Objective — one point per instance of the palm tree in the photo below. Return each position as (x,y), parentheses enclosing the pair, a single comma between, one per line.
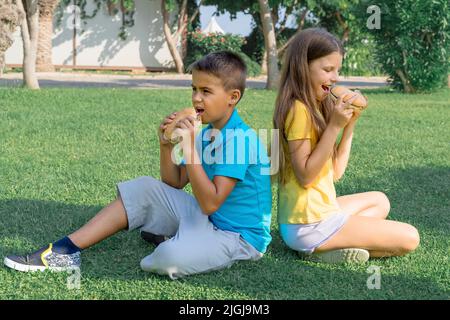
(10,18)
(44,53)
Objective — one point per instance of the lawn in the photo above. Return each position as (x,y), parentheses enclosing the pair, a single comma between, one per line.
(63,150)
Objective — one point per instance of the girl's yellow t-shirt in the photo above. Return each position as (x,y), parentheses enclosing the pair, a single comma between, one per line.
(295,203)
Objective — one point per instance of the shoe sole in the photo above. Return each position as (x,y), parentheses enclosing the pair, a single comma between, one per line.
(27,268)
(349,255)
(154,239)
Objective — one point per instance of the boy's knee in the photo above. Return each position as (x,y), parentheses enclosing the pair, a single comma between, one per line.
(163,261)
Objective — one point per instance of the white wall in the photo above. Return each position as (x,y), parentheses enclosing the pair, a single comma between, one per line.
(100,45)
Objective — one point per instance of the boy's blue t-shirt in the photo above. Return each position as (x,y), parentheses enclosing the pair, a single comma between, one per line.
(238,153)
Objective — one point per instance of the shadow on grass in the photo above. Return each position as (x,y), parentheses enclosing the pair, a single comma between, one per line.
(29,224)
(418,195)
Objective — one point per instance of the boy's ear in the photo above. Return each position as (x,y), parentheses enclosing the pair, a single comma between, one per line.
(235,96)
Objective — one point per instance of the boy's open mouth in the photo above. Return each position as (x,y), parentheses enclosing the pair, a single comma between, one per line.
(199,110)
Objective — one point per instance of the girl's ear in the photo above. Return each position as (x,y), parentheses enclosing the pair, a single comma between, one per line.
(235,96)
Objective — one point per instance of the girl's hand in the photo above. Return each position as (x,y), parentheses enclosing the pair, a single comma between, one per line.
(356,113)
(342,113)
(167,120)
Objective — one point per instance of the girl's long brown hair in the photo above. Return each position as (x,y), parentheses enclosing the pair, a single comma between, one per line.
(295,84)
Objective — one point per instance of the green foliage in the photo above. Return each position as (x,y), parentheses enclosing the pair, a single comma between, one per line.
(346,20)
(322,13)
(254,45)
(200,44)
(253,68)
(359,59)
(413,43)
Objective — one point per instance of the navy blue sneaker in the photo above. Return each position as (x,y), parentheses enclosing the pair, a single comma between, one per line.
(153,238)
(44,259)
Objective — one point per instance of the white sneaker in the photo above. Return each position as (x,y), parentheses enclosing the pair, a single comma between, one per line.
(347,255)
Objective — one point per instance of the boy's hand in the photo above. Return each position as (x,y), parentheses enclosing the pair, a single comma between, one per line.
(187,128)
(167,120)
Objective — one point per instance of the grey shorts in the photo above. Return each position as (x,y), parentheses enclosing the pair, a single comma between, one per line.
(307,237)
(195,246)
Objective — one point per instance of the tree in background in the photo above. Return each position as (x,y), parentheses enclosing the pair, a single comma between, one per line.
(262,13)
(346,19)
(292,16)
(44,51)
(184,20)
(413,43)
(270,44)
(29,29)
(10,18)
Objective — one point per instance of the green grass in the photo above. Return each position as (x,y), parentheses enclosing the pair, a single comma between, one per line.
(63,151)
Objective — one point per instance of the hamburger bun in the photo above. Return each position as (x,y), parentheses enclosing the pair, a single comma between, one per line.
(170,132)
(360,101)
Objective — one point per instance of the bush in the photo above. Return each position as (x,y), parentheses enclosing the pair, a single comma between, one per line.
(254,45)
(253,68)
(359,59)
(413,43)
(200,44)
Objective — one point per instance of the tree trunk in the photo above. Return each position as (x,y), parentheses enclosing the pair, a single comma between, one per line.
(44,51)
(403,75)
(344,26)
(182,25)
(270,43)
(2,63)
(171,41)
(29,29)
(406,85)
(10,16)
(264,63)
(299,28)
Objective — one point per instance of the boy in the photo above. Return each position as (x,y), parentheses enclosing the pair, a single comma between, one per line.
(226,220)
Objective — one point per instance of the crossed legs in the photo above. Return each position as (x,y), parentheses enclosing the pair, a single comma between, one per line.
(367,228)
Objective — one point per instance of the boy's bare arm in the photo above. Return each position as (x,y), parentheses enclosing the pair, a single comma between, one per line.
(209,194)
(171,173)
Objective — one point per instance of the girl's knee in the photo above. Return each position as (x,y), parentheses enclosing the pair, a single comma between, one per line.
(411,239)
(383,202)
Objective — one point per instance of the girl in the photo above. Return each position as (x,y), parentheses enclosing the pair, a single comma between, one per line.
(312,220)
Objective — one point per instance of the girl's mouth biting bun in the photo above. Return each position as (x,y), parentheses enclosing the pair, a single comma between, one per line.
(338,91)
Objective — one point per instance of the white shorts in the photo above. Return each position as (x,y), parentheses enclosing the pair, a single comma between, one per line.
(307,237)
(195,246)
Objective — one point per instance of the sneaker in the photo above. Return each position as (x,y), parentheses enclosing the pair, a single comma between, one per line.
(348,255)
(44,259)
(153,238)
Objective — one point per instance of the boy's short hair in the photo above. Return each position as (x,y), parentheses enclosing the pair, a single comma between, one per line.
(225,65)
